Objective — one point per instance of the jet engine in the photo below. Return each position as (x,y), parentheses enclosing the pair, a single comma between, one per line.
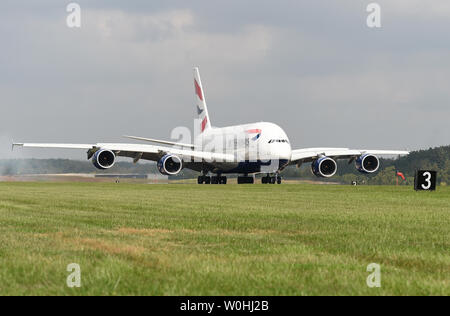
(367,163)
(324,167)
(170,165)
(104,159)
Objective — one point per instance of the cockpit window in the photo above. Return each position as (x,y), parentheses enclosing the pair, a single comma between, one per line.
(278,141)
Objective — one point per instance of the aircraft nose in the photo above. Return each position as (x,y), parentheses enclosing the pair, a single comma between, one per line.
(282,152)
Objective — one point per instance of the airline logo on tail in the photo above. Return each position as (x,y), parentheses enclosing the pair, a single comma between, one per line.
(202,110)
(199,93)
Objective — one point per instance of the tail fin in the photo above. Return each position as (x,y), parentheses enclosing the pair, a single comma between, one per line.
(202,110)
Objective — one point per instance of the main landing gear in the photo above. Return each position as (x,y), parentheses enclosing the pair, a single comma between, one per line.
(212,180)
(271,179)
(203,179)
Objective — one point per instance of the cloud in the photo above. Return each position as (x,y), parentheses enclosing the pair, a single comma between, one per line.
(313,67)
(166,40)
(122,26)
(418,8)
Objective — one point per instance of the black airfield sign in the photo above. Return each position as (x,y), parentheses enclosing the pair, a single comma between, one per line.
(425,180)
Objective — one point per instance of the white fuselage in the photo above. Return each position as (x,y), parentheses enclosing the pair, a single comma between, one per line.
(258,147)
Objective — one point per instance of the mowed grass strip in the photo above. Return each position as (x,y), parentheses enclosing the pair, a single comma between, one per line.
(186,239)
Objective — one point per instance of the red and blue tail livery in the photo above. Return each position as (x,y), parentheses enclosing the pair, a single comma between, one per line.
(202,110)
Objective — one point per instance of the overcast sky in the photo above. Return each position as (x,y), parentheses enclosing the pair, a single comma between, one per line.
(313,67)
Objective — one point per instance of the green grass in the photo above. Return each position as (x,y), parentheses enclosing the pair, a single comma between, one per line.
(223,240)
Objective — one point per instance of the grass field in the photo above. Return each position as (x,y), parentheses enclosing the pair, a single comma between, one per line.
(222,240)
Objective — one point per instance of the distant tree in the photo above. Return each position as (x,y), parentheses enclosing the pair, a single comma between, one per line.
(434,158)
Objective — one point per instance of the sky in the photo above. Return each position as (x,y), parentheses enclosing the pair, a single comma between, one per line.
(313,67)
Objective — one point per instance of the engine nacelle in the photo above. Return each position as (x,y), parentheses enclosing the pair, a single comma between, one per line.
(170,165)
(104,159)
(324,167)
(367,163)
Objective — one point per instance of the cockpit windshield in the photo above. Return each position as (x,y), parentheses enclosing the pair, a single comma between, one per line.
(278,141)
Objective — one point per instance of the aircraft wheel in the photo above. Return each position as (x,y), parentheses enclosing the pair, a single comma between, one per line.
(201,180)
(223,180)
(272,180)
(279,180)
(214,180)
(207,180)
(264,180)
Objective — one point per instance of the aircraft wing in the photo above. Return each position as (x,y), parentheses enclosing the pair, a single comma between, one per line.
(310,154)
(62,146)
(139,151)
(163,142)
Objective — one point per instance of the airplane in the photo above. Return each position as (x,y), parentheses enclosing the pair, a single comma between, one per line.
(245,150)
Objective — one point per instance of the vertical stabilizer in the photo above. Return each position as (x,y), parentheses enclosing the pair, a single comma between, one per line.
(202,110)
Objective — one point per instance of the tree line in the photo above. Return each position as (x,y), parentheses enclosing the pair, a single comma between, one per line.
(431,159)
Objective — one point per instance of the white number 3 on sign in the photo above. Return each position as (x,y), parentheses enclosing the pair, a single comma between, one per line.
(427,180)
